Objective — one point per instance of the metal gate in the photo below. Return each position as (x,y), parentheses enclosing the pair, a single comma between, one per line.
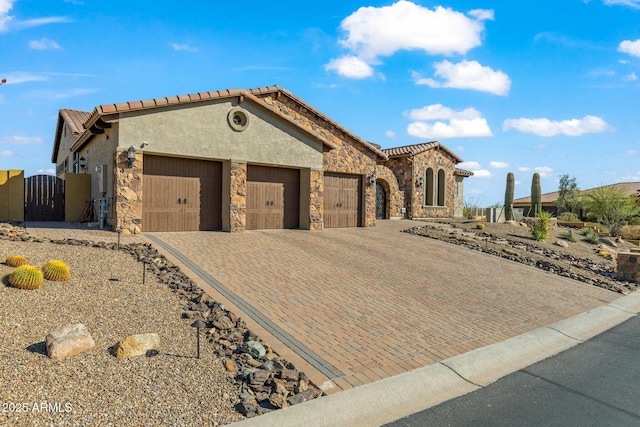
(381,202)
(43,198)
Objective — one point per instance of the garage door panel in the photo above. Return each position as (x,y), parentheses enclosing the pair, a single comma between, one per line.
(181,194)
(342,200)
(273,198)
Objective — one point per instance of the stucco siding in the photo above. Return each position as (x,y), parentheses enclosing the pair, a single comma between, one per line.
(204,131)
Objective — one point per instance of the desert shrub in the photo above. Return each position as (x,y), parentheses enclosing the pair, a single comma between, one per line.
(604,254)
(480,226)
(541,229)
(634,221)
(568,217)
(590,236)
(585,231)
(56,271)
(630,232)
(15,260)
(568,235)
(26,277)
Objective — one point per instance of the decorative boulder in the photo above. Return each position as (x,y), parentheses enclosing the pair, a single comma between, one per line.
(69,340)
(137,345)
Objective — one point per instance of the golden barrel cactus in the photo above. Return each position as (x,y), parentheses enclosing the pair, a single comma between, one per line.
(15,260)
(26,277)
(56,271)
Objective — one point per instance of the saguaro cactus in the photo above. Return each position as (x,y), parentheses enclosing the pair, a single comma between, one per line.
(508,197)
(536,195)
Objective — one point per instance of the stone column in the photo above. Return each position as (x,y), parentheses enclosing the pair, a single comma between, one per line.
(238,197)
(316,200)
(128,194)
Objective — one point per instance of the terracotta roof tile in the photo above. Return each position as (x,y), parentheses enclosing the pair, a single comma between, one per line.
(412,150)
(107,108)
(462,172)
(74,119)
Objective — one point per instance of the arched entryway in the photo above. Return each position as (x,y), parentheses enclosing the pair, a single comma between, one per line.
(381,201)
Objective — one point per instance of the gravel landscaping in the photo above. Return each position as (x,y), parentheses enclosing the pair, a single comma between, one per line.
(579,260)
(106,294)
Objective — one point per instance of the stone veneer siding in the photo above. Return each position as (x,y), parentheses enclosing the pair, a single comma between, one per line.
(350,156)
(395,197)
(238,197)
(409,169)
(628,266)
(128,194)
(316,200)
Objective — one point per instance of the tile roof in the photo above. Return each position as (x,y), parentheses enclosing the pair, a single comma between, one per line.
(251,94)
(462,172)
(412,150)
(75,119)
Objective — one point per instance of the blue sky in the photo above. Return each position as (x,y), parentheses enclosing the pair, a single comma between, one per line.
(524,86)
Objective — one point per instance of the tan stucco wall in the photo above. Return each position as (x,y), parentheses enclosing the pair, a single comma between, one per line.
(66,141)
(12,195)
(77,190)
(203,130)
(98,153)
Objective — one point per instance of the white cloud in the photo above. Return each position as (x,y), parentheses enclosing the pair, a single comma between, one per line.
(631,3)
(44,44)
(466,123)
(632,152)
(524,169)
(20,140)
(472,166)
(439,111)
(631,77)
(390,134)
(455,128)
(467,75)
(546,127)
(183,47)
(461,149)
(47,171)
(482,173)
(53,95)
(6,153)
(5,8)
(23,77)
(630,47)
(499,165)
(350,66)
(30,23)
(544,171)
(373,32)
(475,168)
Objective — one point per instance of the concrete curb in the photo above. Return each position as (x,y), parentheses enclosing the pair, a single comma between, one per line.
(390,399)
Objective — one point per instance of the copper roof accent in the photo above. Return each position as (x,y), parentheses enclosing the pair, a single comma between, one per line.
(462,172)
(631,188)
(412,150)
(104,109)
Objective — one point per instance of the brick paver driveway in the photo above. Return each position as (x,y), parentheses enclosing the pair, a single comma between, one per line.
(356,305)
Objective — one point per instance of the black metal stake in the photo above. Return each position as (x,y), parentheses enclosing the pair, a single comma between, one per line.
(144,273)
(198,324)
(119,231)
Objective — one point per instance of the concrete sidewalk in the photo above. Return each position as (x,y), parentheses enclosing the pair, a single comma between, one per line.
(390,399)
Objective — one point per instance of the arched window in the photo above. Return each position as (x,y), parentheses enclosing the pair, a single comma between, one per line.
(428,188)
(441,187)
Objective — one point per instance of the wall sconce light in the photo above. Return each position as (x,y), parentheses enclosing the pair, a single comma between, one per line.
(131,156)
(83,164)
(371,180)
(419,182)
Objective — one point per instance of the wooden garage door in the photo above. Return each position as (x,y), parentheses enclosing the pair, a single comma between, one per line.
(273,198)
(341,200)
(181,194)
